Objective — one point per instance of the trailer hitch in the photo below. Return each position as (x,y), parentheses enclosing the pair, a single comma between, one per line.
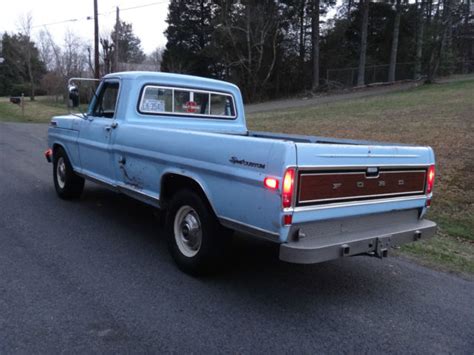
(381,247)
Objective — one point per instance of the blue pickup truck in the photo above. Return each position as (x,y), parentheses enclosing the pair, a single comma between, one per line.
(180,143)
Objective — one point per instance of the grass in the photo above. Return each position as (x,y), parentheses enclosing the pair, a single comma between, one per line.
(40,111)
(439,115)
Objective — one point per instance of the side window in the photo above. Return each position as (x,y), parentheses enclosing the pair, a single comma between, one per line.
(192,102)
(202,103)
(181,101)
(157,100)
(107,100)
(222,105)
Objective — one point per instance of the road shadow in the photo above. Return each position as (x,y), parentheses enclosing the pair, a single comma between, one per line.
(252,264)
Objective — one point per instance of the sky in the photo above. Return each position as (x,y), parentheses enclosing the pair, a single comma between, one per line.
(148,21)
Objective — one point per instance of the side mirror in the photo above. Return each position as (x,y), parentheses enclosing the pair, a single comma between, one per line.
(73,95)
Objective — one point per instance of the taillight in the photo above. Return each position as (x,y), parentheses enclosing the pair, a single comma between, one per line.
(288,187)
(270,183)
(430,179)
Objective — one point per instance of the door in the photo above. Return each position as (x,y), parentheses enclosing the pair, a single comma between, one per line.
(96,134)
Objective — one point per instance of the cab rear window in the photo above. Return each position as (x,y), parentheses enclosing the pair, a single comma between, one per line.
(160,100)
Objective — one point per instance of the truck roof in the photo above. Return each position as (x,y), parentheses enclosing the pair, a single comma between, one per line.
(191,80)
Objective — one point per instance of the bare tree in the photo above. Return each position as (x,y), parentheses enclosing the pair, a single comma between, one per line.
(253,40)
(107,55)
(74,57)
(364,9)
(26,23)
(153,60)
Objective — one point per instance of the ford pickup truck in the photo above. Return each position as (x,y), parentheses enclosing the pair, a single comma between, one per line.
(180,143)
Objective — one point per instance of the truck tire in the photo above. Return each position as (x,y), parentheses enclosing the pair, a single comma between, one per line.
(68,185)
(196,240)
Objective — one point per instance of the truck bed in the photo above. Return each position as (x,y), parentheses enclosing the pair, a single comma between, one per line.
(298,138)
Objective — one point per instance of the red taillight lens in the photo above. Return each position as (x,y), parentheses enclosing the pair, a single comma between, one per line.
(288,187)
(430,179)
(270,183)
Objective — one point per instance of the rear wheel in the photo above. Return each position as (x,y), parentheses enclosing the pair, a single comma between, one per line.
(196,240)
(68,185)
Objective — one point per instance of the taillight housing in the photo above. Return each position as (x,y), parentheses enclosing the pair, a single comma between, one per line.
(430,177)
(288,187)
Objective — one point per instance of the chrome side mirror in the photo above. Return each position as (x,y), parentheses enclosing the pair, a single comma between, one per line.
(73,95)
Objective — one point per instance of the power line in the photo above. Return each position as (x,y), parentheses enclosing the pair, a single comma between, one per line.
(88,18)
(145,5)
(59,22)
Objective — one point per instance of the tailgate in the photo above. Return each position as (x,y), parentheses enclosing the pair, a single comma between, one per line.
(337,180)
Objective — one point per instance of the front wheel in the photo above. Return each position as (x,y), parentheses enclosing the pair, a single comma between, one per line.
(196,240)
(68,185)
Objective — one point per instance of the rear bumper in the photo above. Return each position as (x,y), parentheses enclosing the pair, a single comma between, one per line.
(373,234)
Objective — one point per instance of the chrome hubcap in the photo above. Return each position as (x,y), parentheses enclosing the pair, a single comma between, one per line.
(61,172)
(187,231)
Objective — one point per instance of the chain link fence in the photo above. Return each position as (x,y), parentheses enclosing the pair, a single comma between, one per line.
(347,77)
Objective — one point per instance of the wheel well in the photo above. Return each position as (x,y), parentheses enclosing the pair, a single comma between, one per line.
(172,183)
(57,146)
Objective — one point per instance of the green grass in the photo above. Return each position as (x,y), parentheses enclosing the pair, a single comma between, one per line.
(40,111)
(441,116)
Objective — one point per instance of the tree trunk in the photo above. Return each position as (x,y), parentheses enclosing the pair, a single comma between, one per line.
(302,44)
(419,40)
(364,8)
(394,50)
(430,9)
(315,34)
(448,53)
(439,49)
(467,43)
(302,49)
(30,76)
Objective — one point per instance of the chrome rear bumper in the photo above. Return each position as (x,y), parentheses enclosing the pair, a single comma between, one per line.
(372,234)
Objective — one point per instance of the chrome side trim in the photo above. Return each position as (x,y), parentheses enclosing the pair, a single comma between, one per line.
(97,180)
(248,229)
(353,203)
(139,195)
(126,190)
(367,155)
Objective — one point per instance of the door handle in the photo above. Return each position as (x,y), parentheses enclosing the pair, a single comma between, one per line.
(112,126)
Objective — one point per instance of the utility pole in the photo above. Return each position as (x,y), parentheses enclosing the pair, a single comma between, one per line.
(116,40)
(96,41)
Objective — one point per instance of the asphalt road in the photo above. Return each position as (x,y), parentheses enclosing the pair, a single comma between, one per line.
(95,276)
